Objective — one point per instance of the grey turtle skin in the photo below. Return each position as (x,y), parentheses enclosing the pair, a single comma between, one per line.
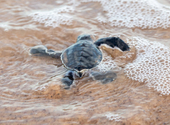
(82,55)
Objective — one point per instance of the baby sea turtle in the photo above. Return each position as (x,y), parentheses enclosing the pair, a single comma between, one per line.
(82,55)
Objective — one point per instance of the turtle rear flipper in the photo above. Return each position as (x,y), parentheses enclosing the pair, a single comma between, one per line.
(112,42)
(104,77)
(69,78)
(41,50)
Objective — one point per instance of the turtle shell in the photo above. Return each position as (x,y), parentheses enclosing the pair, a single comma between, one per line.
(81,55)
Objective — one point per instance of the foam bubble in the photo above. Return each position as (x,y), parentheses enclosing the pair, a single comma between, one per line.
(54,17)
(151,65)
(134,13)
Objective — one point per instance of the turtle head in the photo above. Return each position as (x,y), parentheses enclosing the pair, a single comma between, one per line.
(84,37)
(81,73)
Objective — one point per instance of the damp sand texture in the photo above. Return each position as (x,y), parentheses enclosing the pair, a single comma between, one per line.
(30,87)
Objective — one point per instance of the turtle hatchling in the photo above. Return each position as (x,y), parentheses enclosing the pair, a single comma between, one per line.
(83,55)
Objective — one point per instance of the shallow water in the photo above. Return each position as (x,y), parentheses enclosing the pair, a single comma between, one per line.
(30,87)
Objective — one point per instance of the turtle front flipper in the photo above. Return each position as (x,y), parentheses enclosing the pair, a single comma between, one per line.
(104,77)
(112,42)
(41,50)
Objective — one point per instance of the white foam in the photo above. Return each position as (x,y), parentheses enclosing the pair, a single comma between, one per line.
(151,65)
(54,17)
(134,13)
(107,64)
(112,116)
(120,13)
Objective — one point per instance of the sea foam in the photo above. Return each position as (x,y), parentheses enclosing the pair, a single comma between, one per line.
(134,13)
(120,13)
(54,17)
(151,65)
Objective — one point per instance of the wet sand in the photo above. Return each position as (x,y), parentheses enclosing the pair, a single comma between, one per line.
(30,88)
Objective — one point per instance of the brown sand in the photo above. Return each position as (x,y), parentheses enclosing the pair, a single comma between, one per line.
(30,87)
